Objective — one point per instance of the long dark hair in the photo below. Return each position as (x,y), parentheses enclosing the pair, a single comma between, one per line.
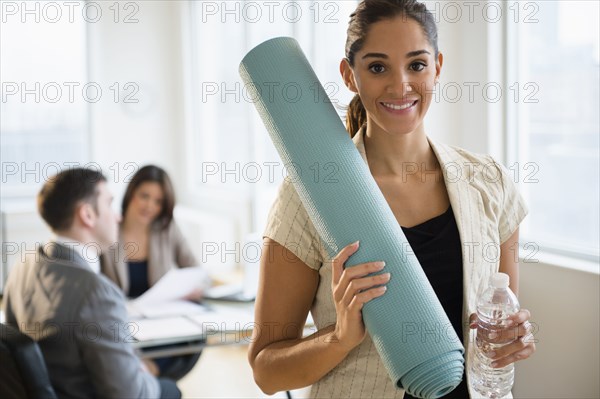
(152,173)
(367,13)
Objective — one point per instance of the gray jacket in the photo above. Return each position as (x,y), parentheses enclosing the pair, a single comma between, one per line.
(79,320)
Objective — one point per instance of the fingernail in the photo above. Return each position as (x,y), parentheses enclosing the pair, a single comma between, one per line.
(494,364)
(381,265)
(356,244)
(386,276)
(491,354)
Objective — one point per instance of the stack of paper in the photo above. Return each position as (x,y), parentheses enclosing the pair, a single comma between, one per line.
(166,297)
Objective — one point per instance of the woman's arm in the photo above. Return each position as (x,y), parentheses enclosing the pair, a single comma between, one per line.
(524,344)
(183,253)
(509,260)
(280,358)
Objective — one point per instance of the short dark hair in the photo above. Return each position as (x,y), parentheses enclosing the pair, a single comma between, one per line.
(61,194)
(153,173)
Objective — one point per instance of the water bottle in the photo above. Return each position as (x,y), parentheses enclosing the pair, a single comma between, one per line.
(494,306)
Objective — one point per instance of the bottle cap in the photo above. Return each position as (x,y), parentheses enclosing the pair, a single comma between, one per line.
(500,280)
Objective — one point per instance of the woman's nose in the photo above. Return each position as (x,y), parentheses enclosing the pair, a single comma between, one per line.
(400,86)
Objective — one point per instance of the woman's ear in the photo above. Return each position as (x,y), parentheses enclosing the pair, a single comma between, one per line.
(348,75)
(438,66)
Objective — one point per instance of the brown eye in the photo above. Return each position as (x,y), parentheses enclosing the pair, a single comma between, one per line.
(377,68)
(417,66)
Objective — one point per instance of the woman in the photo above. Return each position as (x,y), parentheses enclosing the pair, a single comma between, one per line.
(392,64)
(150,244)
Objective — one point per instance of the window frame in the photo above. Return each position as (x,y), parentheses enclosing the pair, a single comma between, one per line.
(514,151)
(12,193)
(245,206)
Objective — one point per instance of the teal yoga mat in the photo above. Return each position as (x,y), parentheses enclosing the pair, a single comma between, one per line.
(408,325)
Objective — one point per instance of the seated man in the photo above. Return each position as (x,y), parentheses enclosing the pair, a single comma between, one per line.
(77,315)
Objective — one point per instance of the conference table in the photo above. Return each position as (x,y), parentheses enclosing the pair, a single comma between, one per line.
(182,327)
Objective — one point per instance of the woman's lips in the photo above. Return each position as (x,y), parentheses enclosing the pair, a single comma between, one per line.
(399,107)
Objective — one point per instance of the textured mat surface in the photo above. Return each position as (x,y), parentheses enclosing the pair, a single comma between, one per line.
(408,325)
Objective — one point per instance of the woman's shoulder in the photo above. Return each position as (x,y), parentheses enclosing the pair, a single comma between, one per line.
(288,224)
(169,231)
(287,196)
(452,155)
(481,171)
(458,154)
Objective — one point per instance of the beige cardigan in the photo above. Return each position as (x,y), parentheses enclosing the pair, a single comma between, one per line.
(487,208)
(167,249)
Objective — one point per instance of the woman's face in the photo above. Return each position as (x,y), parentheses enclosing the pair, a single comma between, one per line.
(146,203)
(394,73)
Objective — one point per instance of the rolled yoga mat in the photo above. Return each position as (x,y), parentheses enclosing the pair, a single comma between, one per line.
(408,325)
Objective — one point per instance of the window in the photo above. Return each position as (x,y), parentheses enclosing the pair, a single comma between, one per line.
(554,138)
(233,155)
(44,94)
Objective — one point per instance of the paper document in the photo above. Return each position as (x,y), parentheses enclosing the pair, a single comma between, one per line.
(166,329)
(180,307)
(133,313)
(176,284)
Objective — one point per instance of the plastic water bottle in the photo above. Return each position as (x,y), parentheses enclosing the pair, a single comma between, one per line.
(494,306)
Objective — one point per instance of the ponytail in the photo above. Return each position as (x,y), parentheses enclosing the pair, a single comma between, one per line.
(356,116)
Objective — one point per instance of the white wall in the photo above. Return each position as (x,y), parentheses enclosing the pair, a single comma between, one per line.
(146,53)
(457,116)
(152,54)
(565,307)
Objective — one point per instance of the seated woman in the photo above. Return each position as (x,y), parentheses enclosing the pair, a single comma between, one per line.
(150,244)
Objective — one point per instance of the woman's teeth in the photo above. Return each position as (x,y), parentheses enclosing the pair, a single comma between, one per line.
(399,107)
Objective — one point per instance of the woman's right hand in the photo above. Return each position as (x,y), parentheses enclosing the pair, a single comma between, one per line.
(351,290)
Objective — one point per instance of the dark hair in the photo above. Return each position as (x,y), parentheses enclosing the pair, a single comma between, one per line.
(367,13)
(152,173)
(61,194)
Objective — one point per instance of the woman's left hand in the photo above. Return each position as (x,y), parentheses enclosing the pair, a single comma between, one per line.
(521,348)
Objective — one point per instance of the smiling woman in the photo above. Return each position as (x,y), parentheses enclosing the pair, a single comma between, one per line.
(150,244)
(445,207)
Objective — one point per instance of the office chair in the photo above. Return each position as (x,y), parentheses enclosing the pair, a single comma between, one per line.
(23,373)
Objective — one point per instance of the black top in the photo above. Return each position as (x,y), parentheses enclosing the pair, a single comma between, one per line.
(436,244)
(138,278)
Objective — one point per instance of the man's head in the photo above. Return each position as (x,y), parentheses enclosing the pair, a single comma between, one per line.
(77,203)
